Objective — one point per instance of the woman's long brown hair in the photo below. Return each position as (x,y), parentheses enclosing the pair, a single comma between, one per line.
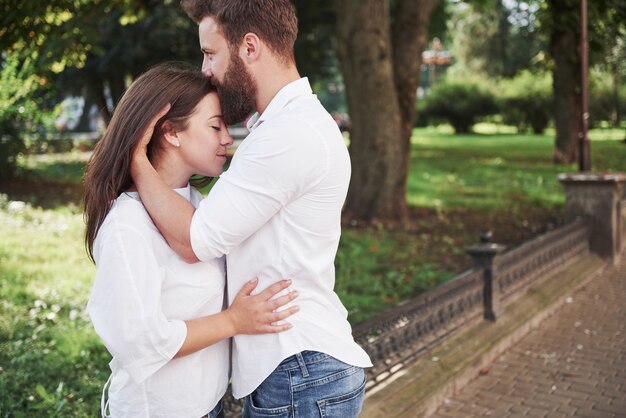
(108,171)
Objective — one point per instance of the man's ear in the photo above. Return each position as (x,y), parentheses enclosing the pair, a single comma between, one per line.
(251,47)
(170,133)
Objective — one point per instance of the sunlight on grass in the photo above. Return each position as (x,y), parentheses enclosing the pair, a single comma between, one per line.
(46,339)
(494,171)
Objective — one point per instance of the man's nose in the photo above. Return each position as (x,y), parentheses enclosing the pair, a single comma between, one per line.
(206,68)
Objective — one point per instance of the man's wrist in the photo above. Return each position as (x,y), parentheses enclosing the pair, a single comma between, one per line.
(138,164)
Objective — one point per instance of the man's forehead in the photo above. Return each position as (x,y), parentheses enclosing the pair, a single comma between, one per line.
(209,26)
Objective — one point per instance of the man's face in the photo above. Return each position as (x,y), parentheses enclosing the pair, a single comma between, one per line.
(235,85)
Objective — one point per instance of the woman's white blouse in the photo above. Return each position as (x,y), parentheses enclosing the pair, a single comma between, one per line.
(142,294)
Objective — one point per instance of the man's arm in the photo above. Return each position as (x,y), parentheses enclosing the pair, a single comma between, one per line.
(169,211)
(262,181)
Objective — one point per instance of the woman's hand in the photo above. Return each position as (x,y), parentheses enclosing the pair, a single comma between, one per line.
(247,315)
(259,314)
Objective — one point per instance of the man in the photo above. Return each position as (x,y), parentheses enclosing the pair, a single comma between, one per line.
(275,212)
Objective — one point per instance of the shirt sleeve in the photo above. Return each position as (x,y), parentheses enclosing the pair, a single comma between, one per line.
(262,179)
(125,304)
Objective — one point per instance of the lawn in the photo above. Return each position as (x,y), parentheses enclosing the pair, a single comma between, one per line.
(53,365)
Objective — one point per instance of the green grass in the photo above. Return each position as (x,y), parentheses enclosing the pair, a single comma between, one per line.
(53,365)
(490,171)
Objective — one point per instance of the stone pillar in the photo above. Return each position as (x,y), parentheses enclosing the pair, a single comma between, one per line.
(484,256)
(598,198)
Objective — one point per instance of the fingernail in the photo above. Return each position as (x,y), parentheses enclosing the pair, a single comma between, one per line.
(288,281)
(294,293)
(254,280)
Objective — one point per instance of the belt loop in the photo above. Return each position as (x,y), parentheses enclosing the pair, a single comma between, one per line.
(302,364)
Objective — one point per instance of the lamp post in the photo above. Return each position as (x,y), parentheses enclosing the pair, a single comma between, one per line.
(584,152)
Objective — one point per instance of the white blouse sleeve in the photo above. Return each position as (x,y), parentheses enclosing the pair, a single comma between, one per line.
(125,304)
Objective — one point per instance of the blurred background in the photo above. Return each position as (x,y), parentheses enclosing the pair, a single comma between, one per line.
(459,115)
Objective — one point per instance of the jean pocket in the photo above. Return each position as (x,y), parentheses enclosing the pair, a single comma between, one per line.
(251,410)
(347,405)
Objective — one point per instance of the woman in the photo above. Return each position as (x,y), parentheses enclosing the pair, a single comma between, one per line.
(162,319)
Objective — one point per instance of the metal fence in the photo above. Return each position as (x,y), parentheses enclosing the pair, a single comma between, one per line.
(398,336)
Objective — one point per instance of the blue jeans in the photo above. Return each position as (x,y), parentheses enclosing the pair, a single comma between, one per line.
(308,384)
(217,412)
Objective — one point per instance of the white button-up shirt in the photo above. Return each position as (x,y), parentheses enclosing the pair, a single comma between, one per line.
(142,294)
(276,212)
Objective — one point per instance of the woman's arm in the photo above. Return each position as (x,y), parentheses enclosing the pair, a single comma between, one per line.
(247,314)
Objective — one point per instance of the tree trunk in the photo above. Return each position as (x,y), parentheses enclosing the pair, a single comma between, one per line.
(410,37)
(364,47)
(381,84)
(565,51)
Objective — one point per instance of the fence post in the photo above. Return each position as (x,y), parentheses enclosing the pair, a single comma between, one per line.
(484,256)
(597,197)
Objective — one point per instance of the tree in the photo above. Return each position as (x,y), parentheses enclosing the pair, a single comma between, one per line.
(566,75)
(380,45)
(562,19)
(496,38)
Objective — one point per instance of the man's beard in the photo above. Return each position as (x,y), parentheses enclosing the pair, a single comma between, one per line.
(237,92)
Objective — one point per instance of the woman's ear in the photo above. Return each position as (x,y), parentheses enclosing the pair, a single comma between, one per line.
(170,133)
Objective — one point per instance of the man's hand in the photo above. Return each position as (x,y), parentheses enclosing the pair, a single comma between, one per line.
(170,212)
(142,146)
(260,314)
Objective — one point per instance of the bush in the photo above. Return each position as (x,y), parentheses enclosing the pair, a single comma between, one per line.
(459,103)
(526,101)
(606,104)
(19,114)
(11,144)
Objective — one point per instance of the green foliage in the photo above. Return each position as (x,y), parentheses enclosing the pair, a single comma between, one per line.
(18,109)
(460,103)
(607,99)
(526,101)
(497,38)
(373,273)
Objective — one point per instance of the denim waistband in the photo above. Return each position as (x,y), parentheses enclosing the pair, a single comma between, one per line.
(295,361)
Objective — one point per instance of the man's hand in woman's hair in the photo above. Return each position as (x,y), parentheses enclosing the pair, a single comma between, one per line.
(146,135)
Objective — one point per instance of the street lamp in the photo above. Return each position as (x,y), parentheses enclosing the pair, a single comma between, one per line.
(584,163)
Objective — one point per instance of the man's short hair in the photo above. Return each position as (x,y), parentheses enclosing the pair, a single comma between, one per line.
(273,21)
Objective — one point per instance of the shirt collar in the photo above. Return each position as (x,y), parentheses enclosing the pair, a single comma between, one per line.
(183,191)
(285,95)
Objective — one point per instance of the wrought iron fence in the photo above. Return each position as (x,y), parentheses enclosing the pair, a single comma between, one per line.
(517,269)
(396,337)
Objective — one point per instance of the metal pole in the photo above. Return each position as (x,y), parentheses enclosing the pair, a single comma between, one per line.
(585,162)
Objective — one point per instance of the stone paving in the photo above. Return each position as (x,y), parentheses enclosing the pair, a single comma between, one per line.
(572,365)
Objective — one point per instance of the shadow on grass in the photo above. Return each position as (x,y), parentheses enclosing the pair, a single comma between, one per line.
(46,194)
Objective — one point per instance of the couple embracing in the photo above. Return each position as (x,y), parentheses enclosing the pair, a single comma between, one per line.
(270,224)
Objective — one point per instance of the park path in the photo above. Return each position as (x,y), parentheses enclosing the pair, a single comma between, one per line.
(572,365)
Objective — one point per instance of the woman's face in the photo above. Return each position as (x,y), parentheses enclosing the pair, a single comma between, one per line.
(203,144)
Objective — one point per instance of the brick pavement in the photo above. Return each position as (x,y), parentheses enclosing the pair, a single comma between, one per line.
(572,365)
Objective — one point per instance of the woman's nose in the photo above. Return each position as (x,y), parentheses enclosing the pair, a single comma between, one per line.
(226,138)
